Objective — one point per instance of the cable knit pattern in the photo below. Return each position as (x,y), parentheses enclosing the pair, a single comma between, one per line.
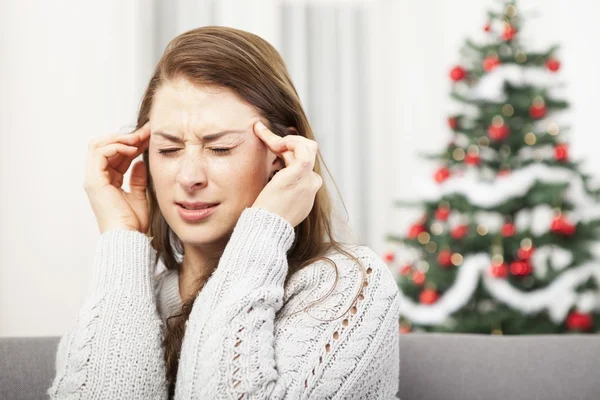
(248,335)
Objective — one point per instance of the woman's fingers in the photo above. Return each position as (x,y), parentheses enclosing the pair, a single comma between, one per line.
(123,166)
(304,150)
(130,138)
(112,150)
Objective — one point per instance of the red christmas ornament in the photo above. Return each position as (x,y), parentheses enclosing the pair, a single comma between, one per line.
(405,270)
(458,73)
(472,159)
(499,270)
(489,63)
(459,232)
(445,258)
(509,32)
(569,230)
(414,230)
(498,132)
(388,257)
(520,268)
(537,111)
(442,213)
(441,175)
(418,278)
(508,229)
(503,172)
(579,321)
(553,64)
(525,254)
(561,152)
(561,226)
(452,122)
(428,296)
(487,28)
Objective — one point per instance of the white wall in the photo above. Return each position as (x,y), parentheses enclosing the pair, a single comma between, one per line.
(72,71)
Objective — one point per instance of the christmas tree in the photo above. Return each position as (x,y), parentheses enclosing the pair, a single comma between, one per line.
(505,241)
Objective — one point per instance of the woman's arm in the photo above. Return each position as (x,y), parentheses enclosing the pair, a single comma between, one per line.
(114,350)
(229,349)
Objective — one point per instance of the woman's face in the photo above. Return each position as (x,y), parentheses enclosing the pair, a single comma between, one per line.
(230,170)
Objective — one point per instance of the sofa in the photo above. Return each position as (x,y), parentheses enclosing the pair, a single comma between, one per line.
(432,366)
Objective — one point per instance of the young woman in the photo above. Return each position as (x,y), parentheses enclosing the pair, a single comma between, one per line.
(272,307)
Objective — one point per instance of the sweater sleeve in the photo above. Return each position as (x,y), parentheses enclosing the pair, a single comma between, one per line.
(230,349)
(114,349)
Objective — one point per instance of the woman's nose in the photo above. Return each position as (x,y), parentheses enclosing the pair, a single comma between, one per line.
(192,174)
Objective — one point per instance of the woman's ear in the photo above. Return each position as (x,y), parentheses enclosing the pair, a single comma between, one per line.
(278,164)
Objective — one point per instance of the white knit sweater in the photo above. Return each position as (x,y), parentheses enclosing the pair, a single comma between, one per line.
(248,335)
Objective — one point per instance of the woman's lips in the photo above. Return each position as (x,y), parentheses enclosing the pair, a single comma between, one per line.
(195,215)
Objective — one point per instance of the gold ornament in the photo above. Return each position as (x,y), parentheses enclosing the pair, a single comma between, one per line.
(482,229)
(423,266)
(431,247)
(423,238)
(508,110)
(483,141)
(530,138)
(456,259)
(526,244)
(520,56)
(553,128)
(437,228)
(511,11)
(458,154)
(497,259)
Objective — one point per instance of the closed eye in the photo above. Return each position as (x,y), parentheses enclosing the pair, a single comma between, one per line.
(217,151)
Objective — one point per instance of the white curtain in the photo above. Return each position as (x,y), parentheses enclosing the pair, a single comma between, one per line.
(325,46)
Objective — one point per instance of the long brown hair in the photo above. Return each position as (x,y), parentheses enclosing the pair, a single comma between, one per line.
(252,69)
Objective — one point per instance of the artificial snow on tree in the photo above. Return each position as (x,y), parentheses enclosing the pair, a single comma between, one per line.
(505,241)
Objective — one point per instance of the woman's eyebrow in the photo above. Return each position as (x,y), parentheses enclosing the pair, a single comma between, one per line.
(211,137)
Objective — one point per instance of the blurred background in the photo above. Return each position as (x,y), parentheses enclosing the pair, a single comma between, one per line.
(373,76)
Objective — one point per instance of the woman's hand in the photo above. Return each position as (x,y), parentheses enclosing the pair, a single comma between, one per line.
(291,193)
(108,159)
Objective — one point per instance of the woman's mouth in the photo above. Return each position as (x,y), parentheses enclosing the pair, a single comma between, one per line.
(197,213)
